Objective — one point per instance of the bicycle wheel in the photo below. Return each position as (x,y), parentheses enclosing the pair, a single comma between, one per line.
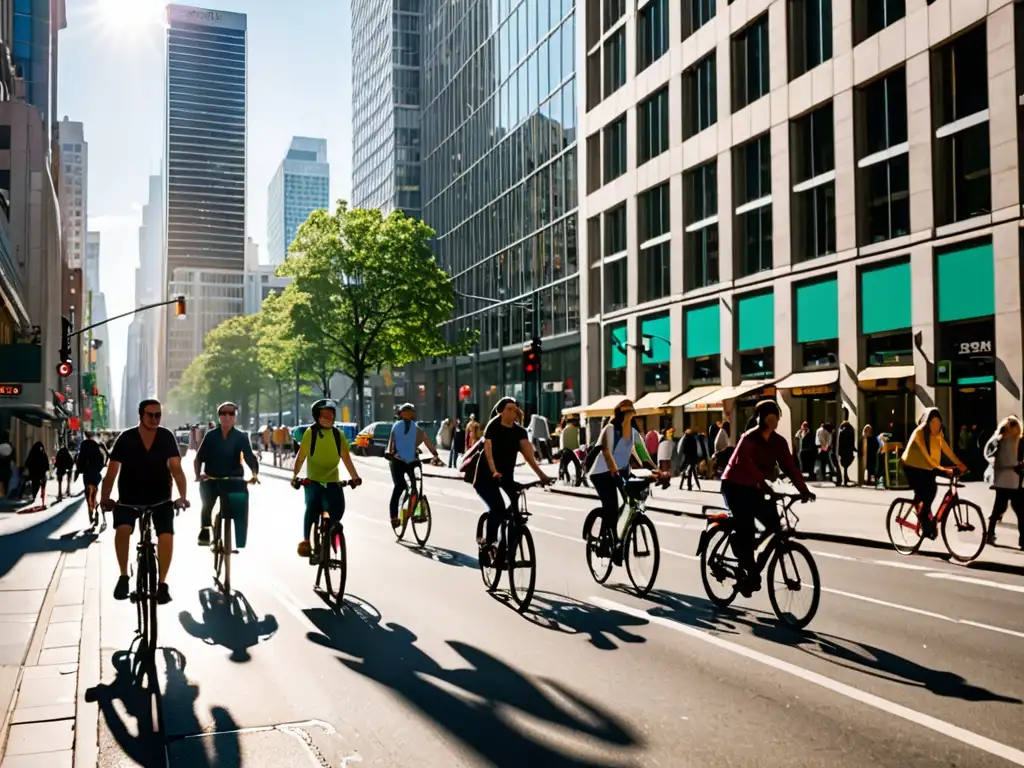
(217,546)
(593,532)
(421,521)
(152,575)
(334,560)
(403,517)
(642,554)
(522,568)
(226,546)
(963,531)
(718,569)
(489,572)
(799,581)
(904,527)
(139,597)
(321,555)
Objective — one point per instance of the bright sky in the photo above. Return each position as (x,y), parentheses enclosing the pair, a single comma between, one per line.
(111,78)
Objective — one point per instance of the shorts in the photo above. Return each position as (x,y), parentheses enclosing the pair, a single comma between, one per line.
(163,518)
(92,478)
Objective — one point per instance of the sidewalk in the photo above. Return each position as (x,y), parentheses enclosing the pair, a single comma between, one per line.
(49,640)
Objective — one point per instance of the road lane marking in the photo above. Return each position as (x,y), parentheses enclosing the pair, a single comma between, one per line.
(904,566)
(834,556)
(976,581)
(985,744)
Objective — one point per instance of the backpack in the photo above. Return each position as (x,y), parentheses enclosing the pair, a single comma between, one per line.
(471,460)
(312,439)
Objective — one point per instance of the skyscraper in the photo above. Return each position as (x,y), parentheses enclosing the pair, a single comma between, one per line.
(205,149)
(34,53)
(74,189)
(92,261)
(300,186)
(386,104)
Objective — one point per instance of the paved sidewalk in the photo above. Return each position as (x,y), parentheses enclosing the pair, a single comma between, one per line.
(49,639)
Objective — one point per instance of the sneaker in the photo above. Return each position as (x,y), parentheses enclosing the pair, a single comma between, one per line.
(121,590)
(990,539)
(749,585)
(204,537)
(304,549)
(163,595)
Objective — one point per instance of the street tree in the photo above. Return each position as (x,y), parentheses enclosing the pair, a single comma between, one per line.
(279,353)
(232,361)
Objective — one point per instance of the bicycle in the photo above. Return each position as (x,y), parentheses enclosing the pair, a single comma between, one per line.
(519,558)
(330,551)
(906,532)
(637,548)
(719,566)
(220,543)
(414,506)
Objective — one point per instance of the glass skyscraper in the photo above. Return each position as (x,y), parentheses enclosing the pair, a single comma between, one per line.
(386,100)
(300,186)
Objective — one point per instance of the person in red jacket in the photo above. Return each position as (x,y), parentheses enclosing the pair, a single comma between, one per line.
(745,486)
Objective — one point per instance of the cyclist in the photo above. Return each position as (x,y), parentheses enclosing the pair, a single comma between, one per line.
(89,464)
(922,459)
(325,446)
(403,452)
(150,457)
(504,439)
(618,443)
(745,485)
(219,453)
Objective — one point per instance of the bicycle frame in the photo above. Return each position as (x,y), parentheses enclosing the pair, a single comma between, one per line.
(723,520)
(951,495)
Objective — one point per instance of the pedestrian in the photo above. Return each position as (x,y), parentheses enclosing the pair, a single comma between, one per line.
(444,433)
(64,463)
(473,431)
(38,467)
(689,449)
(722,448)
(713,431)
(666,449)
(823,445)
(458,443)
(7,464)
(869,452)
(1005,457)
(846,447)
(569,444)
(652,440)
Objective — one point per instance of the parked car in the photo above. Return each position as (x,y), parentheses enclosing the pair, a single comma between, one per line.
(372,439)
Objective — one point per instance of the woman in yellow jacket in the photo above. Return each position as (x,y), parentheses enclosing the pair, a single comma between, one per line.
(922,459)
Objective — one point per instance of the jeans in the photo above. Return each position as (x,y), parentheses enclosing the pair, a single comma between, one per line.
(238,505)
(319,499)
(453,458)
(1011,497)
(608,488)
(570,457)
(489,490)
(403,477)
(747,504)
(922,482)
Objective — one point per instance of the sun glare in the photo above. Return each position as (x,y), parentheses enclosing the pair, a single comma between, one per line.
(128,17)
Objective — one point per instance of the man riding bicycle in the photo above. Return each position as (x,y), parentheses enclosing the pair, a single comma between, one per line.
(220,452)
(404,450)
(326,447)
(745,487)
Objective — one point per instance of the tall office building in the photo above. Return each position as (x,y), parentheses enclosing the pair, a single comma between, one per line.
(74,189)
(386,61)
(92,261)
(301,185)
(205,152)
(34,31)
(817,202)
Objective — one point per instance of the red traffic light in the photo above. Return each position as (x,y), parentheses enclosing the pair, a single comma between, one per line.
(64,369)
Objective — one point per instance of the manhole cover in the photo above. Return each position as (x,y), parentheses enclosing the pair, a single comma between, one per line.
(312,743)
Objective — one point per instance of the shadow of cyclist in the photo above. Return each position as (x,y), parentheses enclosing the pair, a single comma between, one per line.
(444,556)
(188,743)
(387,653)
(607,630)
(135,691)
(229,621)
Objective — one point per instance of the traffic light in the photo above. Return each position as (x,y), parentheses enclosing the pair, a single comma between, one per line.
(531,357)
(179,307)
(64,367)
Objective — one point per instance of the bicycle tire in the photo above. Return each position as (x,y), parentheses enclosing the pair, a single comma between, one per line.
(403,517)
(339,561)
(524,540)
(322,540)
(422,531)
(890,521)
(599,573)
(790,546)
(719,539)
(982,529)
(641,522)
(139,598)
(226,545)
(217,545)
(152,576)
(491,574)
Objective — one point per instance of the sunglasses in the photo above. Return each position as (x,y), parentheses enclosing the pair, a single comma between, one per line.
(226,413)
(153,414)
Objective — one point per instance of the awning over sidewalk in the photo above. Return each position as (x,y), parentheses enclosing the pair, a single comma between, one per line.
(604,406)
(30,414)
(879,372)
(691,396)
(731,393)
(655,402)
(807,379)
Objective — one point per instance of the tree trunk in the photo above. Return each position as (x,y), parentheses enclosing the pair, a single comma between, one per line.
(280,402)
(360,396)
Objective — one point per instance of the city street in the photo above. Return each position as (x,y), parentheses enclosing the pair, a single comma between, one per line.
(909,662)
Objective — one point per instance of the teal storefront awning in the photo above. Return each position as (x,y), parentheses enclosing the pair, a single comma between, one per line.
(657,344)
(885,298)
(617,347)
(703,331)
(817,311)
(756,316)
(966,283)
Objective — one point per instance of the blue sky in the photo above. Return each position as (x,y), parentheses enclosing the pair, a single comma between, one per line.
(111,79)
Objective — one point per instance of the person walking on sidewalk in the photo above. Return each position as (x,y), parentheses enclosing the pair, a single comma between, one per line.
(922,459)
(89,464)
(458,444)
(823,443)
(869,451)
(1005,454)
(38,467)
(690,450)
(64,463)
(570,443)
(846,447)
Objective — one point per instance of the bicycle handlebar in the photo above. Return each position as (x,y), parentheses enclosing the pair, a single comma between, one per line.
(341,483)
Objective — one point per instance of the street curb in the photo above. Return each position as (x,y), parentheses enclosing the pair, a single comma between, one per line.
(87,716)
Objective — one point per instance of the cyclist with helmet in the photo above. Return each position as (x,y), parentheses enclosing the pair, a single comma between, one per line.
(403,452)
(220,452)
(325,446)
(745,485)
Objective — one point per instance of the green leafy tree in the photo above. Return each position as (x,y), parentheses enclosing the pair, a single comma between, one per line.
(232,360)
(278,354)
(367,293)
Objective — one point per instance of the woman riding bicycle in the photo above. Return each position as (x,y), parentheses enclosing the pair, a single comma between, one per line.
(745,487)
(403,451)
(922,459)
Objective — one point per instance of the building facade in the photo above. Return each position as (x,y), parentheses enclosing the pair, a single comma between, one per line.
(386,99)
(205,152)
(33,36)
(301,185)
(74,189)
(818,202)
(260,280)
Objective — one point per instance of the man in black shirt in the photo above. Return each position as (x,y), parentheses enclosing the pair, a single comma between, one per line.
(150,457)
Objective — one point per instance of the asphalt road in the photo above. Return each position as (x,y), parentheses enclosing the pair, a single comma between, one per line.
(908,662)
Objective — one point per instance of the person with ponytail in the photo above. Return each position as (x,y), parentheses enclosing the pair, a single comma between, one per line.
(922,459)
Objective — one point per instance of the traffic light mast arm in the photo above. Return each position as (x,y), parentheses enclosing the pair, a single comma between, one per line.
(167,303)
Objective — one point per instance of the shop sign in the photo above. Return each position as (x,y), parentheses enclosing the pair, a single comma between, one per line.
(967,348)
(804,391)
(705,407)
(944,372)
(10,390)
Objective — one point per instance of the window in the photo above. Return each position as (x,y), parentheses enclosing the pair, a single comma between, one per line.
(963,186)
(696,13)
(652,126)
(812,154)
(872,16)
(5,137)
(700,188)
(700,96)
(615,62)
(810,35)
(883,170)
(655,234)
(614,140)
(651,33)
(615,278)
(750,63)
(594,250)
(613,11)
(753,184)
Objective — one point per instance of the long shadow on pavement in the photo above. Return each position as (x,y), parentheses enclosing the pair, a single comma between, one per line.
(607,630)
(387,654)
(36,539)
(444,556)
(229,621)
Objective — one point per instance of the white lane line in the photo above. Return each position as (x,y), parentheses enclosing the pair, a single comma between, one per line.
(985,744)
(295,608)
(679,554)
(904,566)
(978,582)
(834,556)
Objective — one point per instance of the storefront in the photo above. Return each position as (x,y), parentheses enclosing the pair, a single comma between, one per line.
(655,353)
(703,367)
(755,344)
(615,358)
(813,397)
